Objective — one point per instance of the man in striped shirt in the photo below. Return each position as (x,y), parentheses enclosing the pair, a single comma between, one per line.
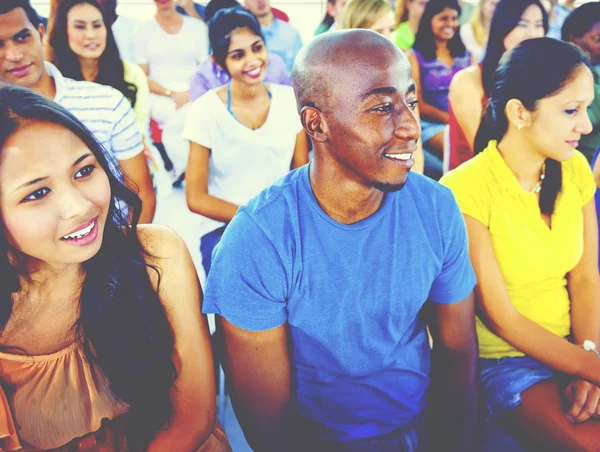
(102,109)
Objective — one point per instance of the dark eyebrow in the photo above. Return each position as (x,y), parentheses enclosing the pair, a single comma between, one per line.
(40,179)
(241,50)
(23,33)
(376,91)
(411,87)
(82,158)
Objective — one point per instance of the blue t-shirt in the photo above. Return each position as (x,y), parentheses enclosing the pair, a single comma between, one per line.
(283,39)
(350,294)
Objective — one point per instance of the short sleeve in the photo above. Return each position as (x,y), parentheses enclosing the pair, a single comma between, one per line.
(198,86)
(456,279)
(278,71)
(584,178)
(469,193)
(247,283)
(198,122)
(126,139)
(136,76)
(140,45)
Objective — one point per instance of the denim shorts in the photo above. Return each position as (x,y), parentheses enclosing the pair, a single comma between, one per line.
(503,380)
(430,129)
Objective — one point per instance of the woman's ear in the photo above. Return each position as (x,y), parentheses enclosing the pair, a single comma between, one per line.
(517,114)
(212,57)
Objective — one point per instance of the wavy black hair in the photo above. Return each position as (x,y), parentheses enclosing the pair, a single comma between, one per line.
(222,25)
(122,324)
(424,39)
(527,74)
(111,70)
(506,17)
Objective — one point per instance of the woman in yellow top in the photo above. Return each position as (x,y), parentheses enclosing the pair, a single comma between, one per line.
(84,48)
(527,200)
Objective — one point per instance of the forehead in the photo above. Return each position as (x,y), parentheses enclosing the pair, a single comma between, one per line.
(579,88)
(84,10)
(13,22)
(358,77)
(38,146)
(532,12)
(241,37)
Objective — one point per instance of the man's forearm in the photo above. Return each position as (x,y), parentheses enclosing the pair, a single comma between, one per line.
(453,396)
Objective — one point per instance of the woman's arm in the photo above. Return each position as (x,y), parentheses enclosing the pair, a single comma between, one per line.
(155,87)
(193,394)
(498,313)
(196,187)
(465,97)
(300,157)
(584,283)
(427,111)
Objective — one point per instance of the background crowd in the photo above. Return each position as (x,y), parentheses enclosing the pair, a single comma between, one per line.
(196,103)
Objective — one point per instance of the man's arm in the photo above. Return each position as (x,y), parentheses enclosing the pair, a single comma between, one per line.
(257,365)
(138,179)
(452,410)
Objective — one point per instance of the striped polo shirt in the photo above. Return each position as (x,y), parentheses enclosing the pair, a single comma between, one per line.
(103,110)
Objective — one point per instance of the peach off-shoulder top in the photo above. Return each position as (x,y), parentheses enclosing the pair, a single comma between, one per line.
(48,400)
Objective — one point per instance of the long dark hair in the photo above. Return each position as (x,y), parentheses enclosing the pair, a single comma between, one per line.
(506,17)
(111,70)
(122,324)
(424,39)
(527,74)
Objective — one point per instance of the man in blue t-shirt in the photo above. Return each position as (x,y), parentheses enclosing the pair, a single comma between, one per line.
(325,283)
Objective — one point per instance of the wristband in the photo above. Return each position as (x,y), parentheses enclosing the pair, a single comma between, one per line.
(590,346)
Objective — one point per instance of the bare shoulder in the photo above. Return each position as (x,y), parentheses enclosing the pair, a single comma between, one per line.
(468,80)
(161,243)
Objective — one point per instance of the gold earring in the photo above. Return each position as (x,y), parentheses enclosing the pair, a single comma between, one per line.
(519,127)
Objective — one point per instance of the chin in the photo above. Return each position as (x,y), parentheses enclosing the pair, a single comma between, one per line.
(389,187)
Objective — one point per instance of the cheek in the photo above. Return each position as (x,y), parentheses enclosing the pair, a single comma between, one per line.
(74,38)
(29,228)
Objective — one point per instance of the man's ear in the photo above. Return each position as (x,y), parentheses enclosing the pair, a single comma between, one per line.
(42,31)
(314,124)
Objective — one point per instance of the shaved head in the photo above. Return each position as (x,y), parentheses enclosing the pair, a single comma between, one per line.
(333,64)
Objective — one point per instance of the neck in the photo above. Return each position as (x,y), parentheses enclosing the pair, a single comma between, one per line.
(441,44)
(247,93)
(89,69)
(167,14)
(525,163)
(51,280)
(413,24)
(341,197)
(45,86)
(266,19)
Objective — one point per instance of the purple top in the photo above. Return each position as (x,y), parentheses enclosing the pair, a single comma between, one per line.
(436,78)
(208,76)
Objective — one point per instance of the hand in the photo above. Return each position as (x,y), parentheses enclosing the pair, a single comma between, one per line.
(584,397)
(180,99)
(217,441)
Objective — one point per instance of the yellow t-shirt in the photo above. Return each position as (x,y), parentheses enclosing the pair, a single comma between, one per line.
(133,74)
(533,258)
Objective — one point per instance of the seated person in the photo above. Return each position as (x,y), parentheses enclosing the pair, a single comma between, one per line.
(376,15)
(582,28)
(437,54)
(243,136)
(408,16)
(322,351)
(85,49)
(103,344)
(208,74)
(117,131)
(514,21)
(334,11)
(527,199)
(168,48)
(281,37)
(475,33)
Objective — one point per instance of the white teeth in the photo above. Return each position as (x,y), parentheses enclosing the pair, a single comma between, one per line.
(80,233)
(403,156)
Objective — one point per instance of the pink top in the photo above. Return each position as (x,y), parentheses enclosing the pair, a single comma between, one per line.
(48,400)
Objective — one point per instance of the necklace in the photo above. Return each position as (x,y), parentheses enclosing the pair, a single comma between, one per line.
(538,187)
